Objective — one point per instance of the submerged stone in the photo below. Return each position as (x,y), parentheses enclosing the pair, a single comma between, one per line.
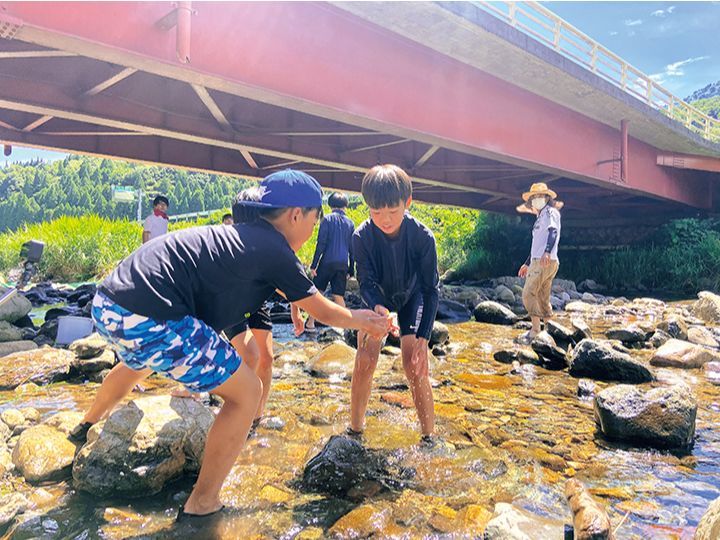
(590,520)
(522,355)
(596,360)
(335,359)
(661,417)
(709,526)
(41,366)
(512,523)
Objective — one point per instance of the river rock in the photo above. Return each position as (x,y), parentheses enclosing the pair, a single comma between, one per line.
(586,388)
(440,334)
(328,334)
(450,310)
(581,330)
(659,338)
(142,446)
(494,313)
(627,334)
(521,355)
(559,332)
(683,354)
(661,417)
(674,327)
(590,520)
(43,453)
(512,523)
(6,464)
(342,464)
(544,345)
(11,505)
(504,294)
(89,347)
(15,308)
(10,347)
(40,366)
(709,526)
(5,433)
(13,418)
(702,336)
(578,307)
(596,360)
(337,358)
(9,332)
(106,360)
(707,307)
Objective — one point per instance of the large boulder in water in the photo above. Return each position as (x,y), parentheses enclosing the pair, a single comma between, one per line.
(450,310)
(627,334)
(344,463)
(512,523)
(44,452)
(707,307)
(683,354)
(338,358)
(709,526)
(595,360)
(494,313)
(661,417)
(142,446)
(15,308)
(544,345)
(89,347)
(39,366)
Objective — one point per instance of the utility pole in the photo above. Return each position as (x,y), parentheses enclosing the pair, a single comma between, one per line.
(139,208)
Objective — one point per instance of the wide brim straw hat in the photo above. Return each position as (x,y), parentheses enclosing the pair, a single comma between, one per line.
(539,188)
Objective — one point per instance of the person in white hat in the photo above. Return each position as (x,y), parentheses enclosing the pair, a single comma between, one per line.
(542,264)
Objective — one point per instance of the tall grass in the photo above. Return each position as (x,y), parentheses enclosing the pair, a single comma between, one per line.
(88,247)
(76,248)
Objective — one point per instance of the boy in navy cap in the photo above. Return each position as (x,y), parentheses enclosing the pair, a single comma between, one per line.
(164,306)
(397,270)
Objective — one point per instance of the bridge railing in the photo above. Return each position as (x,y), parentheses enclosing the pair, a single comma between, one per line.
(542,24)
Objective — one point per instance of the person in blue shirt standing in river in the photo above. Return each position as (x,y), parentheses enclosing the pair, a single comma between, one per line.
(333,259)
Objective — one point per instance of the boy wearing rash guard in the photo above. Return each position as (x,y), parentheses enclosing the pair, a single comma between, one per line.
(164,306)
(397,270)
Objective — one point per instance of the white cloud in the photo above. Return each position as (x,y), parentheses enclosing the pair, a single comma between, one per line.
(675,69)
(633,22)
(663,12)
(613,33)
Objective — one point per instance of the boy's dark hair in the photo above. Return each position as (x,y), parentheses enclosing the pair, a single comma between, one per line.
(161,198)
(386,185)
(337,200)
(242,213)
(226,216)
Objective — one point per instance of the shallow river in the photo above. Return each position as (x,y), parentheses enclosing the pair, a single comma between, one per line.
(516,438)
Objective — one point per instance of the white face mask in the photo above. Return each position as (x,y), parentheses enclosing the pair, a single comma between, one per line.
(538,203)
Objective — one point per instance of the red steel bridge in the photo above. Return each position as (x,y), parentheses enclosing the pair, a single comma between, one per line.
(476,100)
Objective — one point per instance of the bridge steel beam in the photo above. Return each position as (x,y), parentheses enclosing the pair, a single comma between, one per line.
(320,60)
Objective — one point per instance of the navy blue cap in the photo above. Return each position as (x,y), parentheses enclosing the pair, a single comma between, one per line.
(288,189)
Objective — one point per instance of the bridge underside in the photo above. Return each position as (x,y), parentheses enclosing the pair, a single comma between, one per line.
(115,104)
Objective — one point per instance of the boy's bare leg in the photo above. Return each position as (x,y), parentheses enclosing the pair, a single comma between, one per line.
(419,379)
(366,359)
(263,369)
(226,438)
(118,384)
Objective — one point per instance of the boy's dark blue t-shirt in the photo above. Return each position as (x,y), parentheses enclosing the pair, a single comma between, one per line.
(218,274)
(334,240)
(391,270)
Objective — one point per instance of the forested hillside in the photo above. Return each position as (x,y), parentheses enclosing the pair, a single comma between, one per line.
(37,191)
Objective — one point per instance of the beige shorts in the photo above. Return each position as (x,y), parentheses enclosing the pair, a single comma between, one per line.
(538,286)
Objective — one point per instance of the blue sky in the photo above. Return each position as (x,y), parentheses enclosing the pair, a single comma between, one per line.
(677,43)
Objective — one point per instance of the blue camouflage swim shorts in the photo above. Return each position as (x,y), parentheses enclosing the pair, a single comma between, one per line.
(187,350)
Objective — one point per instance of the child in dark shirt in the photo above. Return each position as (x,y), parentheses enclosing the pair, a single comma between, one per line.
(164,306)
(333,259)
(396,263)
